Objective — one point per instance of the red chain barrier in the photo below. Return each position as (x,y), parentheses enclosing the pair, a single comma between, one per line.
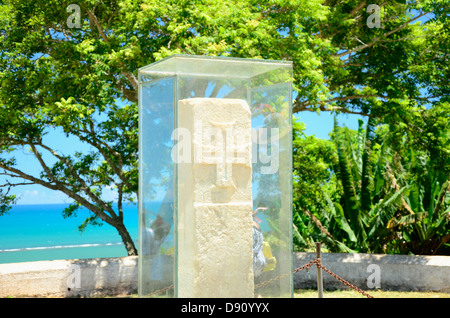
(307,266)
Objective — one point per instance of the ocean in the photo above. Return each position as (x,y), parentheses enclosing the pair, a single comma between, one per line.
(40,233)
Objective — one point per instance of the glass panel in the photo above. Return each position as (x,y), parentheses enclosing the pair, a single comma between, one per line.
(212,66)
(272,184)
(190,86)
(156,199)
(233,206)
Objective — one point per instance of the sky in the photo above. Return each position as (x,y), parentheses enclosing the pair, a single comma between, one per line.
(318,125)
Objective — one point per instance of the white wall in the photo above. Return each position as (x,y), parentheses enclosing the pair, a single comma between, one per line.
(72,278)
(69,278)
(389,272)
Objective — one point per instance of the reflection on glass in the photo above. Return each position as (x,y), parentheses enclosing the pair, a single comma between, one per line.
(265,87)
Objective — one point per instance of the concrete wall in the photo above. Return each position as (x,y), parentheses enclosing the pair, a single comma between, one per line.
(69,278)
(72,278)
(366,271)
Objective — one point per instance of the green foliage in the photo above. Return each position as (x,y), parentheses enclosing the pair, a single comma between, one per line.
(387,196)
(5,202)
(82,81)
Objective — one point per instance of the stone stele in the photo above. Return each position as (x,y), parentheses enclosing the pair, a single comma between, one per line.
(215,199)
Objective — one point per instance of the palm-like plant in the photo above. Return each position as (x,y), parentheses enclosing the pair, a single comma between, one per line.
(382,196)
(367,203)
(393,199)
(424,229)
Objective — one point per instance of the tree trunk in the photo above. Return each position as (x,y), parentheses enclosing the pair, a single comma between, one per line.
(126,238)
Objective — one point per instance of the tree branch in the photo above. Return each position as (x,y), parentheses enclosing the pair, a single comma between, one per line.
(378,39)
(130,76)
(118,169)
(16,173)
(42,163)
(303,106)
(119,201)
(10,185)
(357,8)
(86,189)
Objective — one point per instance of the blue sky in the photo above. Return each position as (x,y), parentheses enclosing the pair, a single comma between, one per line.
(318,125)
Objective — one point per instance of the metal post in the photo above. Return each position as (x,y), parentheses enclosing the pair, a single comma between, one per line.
(319,271)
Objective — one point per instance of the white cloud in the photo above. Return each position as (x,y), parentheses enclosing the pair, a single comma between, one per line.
(32,193)
(39,195)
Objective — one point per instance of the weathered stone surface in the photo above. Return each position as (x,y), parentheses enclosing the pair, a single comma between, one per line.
(69,278)
(215,236)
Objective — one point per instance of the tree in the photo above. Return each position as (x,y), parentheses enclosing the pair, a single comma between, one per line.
(313,161)
(378,194)
(81,77)
(83,81)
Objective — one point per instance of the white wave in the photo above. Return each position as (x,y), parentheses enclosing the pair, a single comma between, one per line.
(57,247)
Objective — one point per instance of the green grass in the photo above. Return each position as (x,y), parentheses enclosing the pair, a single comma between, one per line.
(350,293)
(345,293)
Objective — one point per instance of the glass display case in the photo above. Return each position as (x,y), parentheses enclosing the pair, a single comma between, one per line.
(215,178)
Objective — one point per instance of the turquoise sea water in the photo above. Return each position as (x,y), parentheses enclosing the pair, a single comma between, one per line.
(39,232)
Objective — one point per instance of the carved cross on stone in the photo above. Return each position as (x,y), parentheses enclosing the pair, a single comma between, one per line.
(215,225)
(224,145)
